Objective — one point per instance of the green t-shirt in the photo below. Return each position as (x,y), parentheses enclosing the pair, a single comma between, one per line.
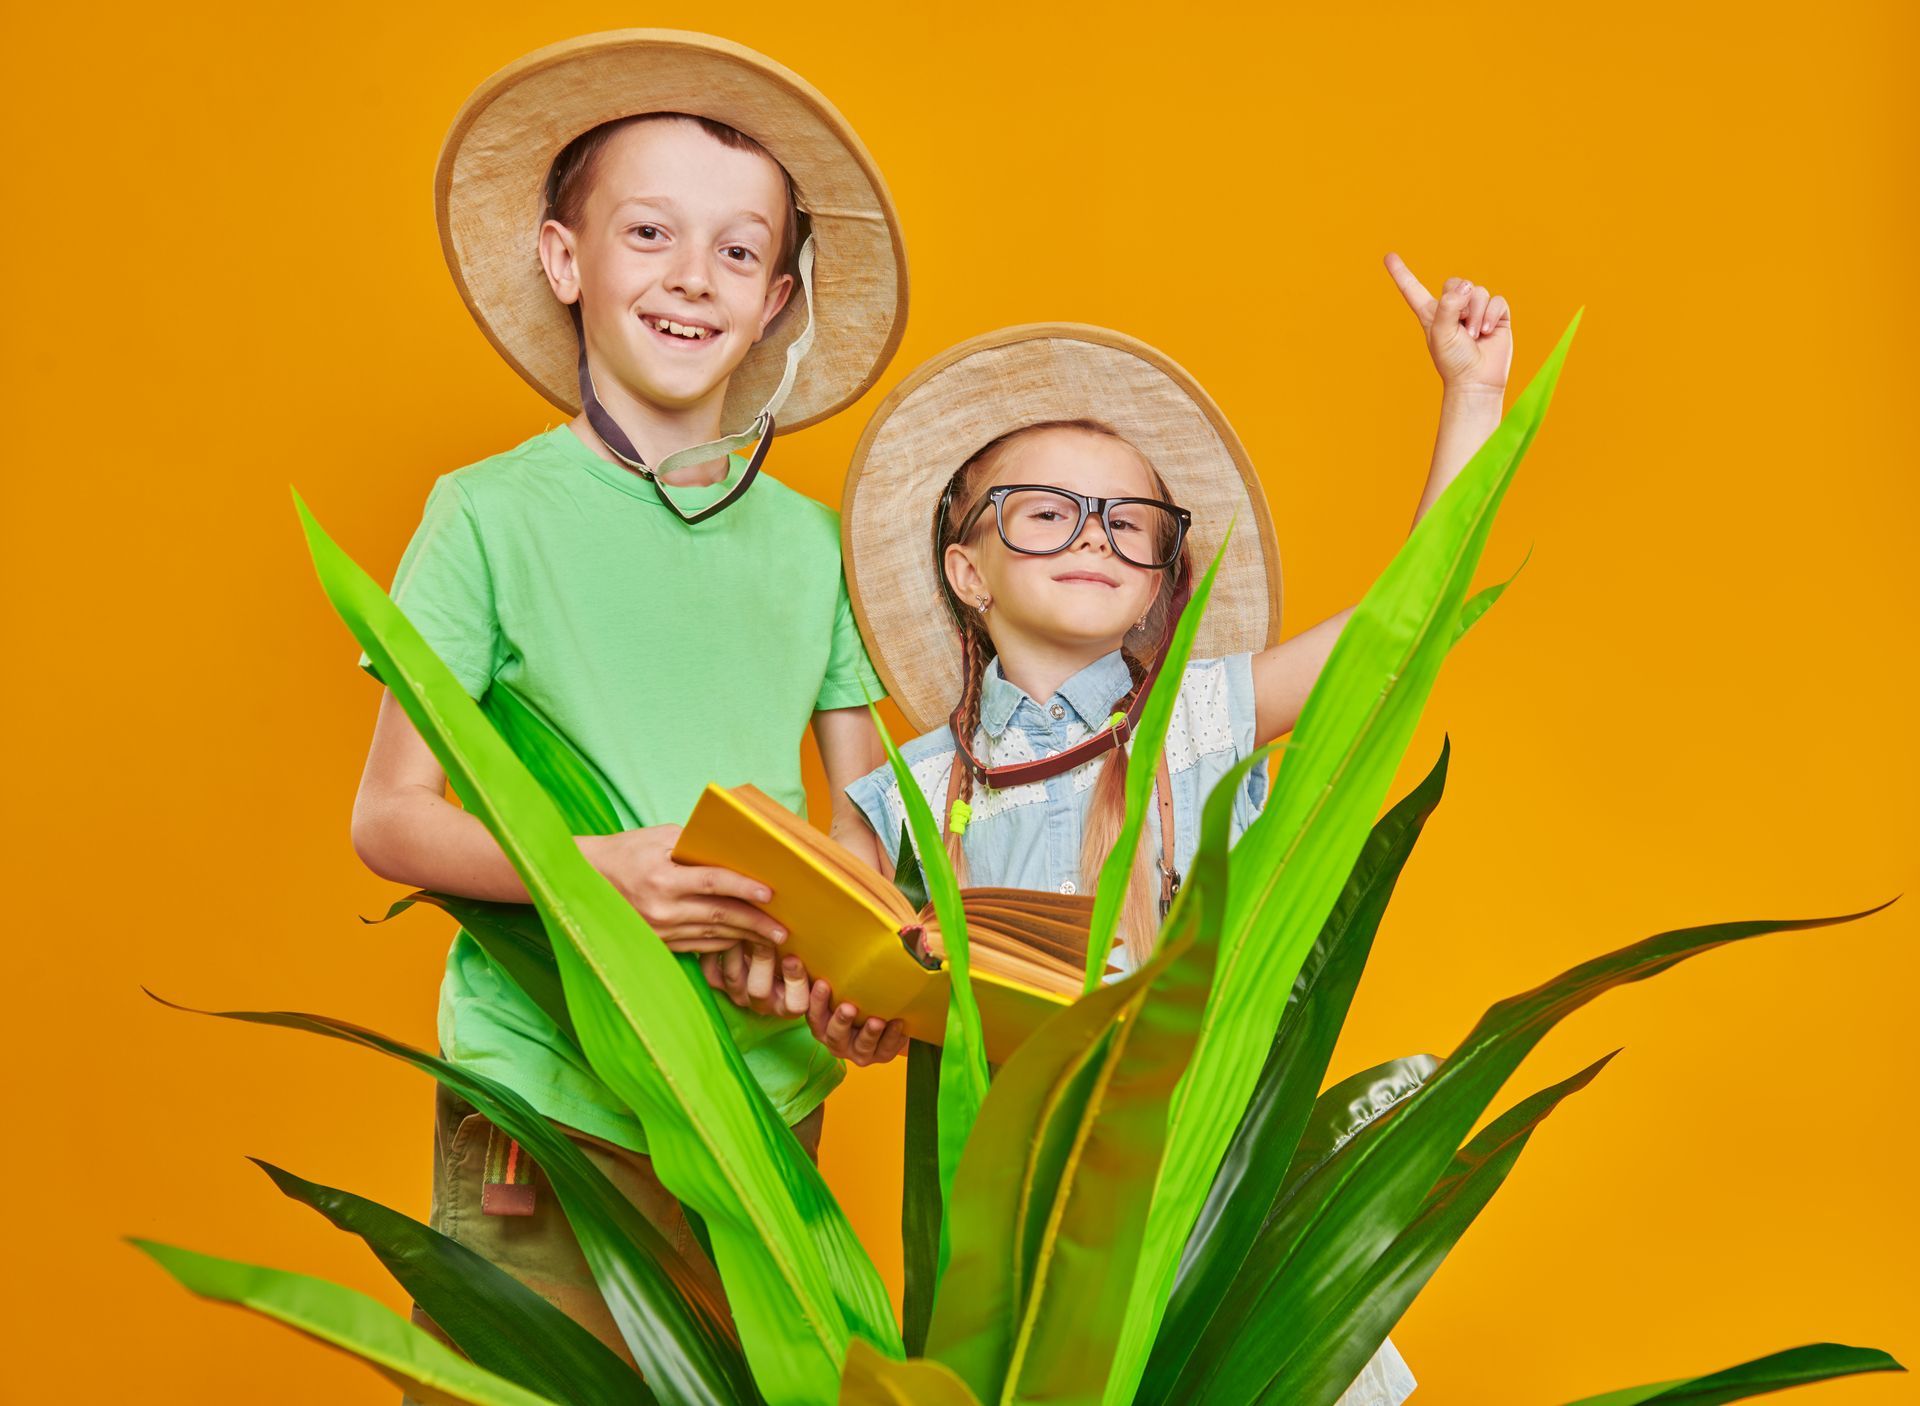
(669,655)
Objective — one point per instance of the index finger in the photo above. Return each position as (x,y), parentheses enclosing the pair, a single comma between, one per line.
(1412,289)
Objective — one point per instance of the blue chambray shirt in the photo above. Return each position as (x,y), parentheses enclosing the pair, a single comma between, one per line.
(1029,836)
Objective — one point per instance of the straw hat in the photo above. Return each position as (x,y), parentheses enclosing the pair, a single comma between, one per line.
(974,392)
(490,189)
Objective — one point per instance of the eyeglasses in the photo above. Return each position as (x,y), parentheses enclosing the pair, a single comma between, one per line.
(1037,520)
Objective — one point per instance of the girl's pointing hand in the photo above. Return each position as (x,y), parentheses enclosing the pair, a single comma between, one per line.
(1469,329)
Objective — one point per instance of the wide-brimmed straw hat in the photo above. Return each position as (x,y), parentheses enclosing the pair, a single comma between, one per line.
(983,388)
(490,195)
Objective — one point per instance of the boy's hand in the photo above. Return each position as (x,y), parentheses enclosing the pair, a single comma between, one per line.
(840,1029)
(694,908)
(1469,329)
(756,978)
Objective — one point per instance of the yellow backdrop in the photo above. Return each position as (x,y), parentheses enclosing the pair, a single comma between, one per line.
(1695,705)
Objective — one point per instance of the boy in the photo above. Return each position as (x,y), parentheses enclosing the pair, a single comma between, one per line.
(623,214)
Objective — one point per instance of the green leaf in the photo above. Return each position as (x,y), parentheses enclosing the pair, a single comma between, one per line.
(1352,1318)
(1143,762)
(963,1062)
(1356,1102)
(873,1379)
(409,1357)
(1291,863)
(1797,1366)
(906,872)
(1251,1174)
(1482,601)
(515,940)
(1352,1208)
(669,1313)
(498,1322)
(1048,1213)
(798,1278)
(920,1193)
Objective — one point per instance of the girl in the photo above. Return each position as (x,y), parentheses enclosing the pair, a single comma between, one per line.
(1076,477)
(1070,468)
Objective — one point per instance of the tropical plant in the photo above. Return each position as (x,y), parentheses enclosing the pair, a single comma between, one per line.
(1151,1201)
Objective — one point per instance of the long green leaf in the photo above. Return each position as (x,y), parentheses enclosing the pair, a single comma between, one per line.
(498,1322)
(1047,1214)
(1352,1325)
(670,1314)
(873,1379)
(1356,1102)
(1352,1208)
(409,1357)
(1143,763)
(1481,602)
(1797,1366)
(963,1060)
(515,940)
(1252,1171)
(920,1210)
(1289,866)
(798,1277)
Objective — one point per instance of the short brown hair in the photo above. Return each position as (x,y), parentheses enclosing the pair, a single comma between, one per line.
(570,178)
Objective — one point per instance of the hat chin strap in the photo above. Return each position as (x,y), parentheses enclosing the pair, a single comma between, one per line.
(759,434)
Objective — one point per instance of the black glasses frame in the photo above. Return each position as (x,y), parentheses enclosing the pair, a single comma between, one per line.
(1088,506)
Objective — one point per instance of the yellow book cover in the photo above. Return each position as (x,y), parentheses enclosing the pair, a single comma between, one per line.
(856,931)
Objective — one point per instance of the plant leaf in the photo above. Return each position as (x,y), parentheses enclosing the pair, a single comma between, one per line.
(1352,1324)
(498,1322)
(798,1278)
(920,1193)
(1291,863)
(1797,1366)
(1143,762)
(1048,1212)
(411,1358)
(1356,1102)
(1482,601)
(872,1379)
(963,1061)
(1351,1209)
(1251,1174)
(515,940)
(670,1314)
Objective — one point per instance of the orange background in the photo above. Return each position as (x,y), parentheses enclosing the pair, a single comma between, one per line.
(223,279)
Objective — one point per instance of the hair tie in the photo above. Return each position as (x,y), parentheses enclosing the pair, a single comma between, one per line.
(958,817)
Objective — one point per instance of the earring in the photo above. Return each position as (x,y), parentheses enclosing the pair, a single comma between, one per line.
(981,603)
(1140,624)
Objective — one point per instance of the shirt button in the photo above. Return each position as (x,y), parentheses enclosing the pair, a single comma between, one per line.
(1057,711)
(1066,886)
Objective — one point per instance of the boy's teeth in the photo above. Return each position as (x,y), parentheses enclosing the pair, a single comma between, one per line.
(679,329)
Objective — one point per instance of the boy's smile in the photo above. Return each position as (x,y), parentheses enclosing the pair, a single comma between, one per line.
(673,266)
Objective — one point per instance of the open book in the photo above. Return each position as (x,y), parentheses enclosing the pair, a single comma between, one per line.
(857,932)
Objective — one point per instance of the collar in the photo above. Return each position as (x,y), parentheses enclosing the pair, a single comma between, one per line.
(1091,694)
(627,481)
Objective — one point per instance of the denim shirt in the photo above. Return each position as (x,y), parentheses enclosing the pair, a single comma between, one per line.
(1029,836)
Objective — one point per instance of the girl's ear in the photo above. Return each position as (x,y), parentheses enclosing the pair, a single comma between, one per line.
(558,259)
(963,575)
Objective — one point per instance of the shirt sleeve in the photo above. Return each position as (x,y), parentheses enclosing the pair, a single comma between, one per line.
(1241,717)
(877,795)
(850,681)
(444,587)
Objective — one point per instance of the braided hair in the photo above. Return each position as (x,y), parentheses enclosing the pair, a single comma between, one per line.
(1106,807)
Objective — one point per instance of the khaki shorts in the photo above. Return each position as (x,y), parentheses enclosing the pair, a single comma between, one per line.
(539,1249)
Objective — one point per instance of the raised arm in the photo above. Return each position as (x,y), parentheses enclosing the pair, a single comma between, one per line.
(1469,335)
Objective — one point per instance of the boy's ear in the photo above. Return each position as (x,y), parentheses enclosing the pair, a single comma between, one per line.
(777,294)
(557,257)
